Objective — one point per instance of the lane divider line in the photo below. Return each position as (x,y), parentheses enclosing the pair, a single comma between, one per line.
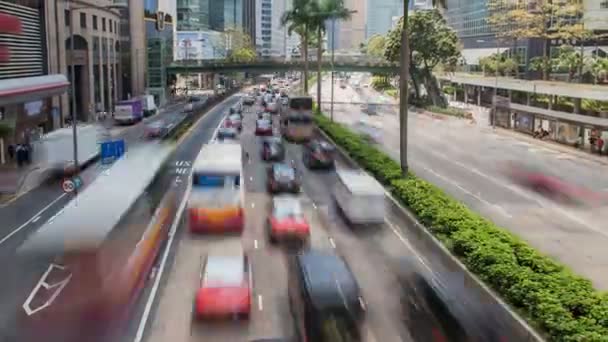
(172,232)
(37,215)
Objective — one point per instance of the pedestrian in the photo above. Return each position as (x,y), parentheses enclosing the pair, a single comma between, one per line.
(11,152)
(19,152)
(600,145)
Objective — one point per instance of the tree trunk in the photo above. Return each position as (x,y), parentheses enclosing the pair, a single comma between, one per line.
(403,92)
(319,57)
(305,41)
(545,60)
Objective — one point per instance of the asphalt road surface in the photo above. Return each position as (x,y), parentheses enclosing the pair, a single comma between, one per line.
(371,254)
(29,212)
(468,162)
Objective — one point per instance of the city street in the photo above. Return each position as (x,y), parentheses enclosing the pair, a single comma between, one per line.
(468,162)
(370,253)
(32,210)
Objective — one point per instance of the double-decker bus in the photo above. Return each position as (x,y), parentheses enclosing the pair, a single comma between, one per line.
(297,122)
(216,196)
(101,248)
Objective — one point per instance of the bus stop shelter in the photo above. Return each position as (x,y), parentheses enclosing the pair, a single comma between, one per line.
(563,127)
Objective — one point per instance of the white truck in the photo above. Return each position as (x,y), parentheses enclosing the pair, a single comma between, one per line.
(149,105)
(360,197)
(55,150)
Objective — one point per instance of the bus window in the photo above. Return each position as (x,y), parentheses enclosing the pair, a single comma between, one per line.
(208,181)
(304,103)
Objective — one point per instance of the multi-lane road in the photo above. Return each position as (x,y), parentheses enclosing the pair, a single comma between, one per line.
(164,310)
(468,161)
(370,253)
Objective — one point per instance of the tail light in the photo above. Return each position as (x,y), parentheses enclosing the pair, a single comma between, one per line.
(193,214)
(241,212)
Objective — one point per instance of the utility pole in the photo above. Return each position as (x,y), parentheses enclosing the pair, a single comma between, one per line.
(404,76)
(73,85)
(333,27)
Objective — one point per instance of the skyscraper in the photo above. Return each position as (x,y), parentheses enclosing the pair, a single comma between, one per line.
(271,36)
(379,15)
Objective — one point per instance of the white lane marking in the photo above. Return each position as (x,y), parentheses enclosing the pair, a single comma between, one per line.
(4,239)
(42,284)
(332,243)
(407,244)
(255,244)
(496,207)
(146,315)
(250,178)
(253,205)
(36,219)
(543,203)
(260,303)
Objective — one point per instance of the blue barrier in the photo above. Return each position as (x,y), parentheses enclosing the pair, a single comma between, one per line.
(112,150)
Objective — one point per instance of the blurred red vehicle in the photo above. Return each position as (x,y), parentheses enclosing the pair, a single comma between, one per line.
(286,220)
(553,186)
(225,290)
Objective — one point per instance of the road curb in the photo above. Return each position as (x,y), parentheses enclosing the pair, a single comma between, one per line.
(423,237)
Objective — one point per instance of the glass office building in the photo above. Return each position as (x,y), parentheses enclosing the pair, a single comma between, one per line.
(159,38)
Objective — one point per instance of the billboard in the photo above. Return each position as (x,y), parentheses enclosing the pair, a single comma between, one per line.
(199,45)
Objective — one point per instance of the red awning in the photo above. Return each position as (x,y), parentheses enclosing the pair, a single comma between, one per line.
(27,89)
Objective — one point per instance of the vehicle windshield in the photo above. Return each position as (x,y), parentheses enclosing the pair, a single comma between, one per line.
(284,171)
(287,208)
(224,272)
(301,103)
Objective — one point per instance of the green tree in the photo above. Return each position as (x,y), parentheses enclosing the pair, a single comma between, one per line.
(505,65)
(544,20)
(432,42)
(233,40)
(324,10)
(570,60)
(599,69)
(375,45)
(242,55)
(299,20)
(404,76)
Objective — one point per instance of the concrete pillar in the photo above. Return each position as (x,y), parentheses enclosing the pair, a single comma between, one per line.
(137,31)
(528,98)
(110,77)
(466,94)
(91,82)
(216,81)
(551,99)
(510,95)
(102,81)
(577,105)
(479,96)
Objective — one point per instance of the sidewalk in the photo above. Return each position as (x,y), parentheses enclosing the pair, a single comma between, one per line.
(15,182)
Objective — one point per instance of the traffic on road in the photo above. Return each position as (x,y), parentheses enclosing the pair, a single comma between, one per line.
(235,238)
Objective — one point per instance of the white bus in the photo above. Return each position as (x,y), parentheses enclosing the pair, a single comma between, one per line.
(216,197)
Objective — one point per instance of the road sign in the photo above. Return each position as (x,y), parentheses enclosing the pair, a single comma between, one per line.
(112,150)
(68,186)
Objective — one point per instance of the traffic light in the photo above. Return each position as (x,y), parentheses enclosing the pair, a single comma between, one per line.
(8,24)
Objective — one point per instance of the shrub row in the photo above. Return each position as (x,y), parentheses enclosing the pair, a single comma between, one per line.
(564,305)
(457,112)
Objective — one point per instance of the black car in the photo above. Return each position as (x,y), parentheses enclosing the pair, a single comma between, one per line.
(318,154)
(227,133)
(273,149)
(283,177)
(439,309)
(324,298)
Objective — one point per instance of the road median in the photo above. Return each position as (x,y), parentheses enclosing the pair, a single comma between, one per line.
(560,304)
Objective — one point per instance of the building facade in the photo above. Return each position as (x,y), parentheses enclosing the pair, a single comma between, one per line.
(28,58)
(379,15)
(272,38)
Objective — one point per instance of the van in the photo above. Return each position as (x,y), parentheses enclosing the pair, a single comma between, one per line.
(149,105)
(324,297)
(360,197)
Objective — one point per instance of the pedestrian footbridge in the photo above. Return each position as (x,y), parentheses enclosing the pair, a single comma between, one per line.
(340,64)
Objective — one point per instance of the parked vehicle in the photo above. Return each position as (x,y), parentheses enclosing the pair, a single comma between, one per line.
(360,197)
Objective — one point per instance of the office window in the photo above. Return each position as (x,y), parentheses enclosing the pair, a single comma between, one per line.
(103,24)
(266,12)
(115,27)
(110,24)
(83,20)
(604,4)
(66,17)
(94,22)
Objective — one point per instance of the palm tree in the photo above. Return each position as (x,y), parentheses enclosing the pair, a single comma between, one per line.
(299,20)
(404,76)
(324,10)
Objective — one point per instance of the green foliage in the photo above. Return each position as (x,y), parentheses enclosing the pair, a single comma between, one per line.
(242,55)
(432,41)
(381,83)
(452,111)
(375,46)
(392,92)
(5,130)
(564,305)
(449,89)
(506,65)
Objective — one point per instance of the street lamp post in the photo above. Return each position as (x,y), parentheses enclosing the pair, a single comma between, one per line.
(333,23)
(72,22)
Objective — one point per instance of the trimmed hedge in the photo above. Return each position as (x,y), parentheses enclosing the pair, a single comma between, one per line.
(564,305)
